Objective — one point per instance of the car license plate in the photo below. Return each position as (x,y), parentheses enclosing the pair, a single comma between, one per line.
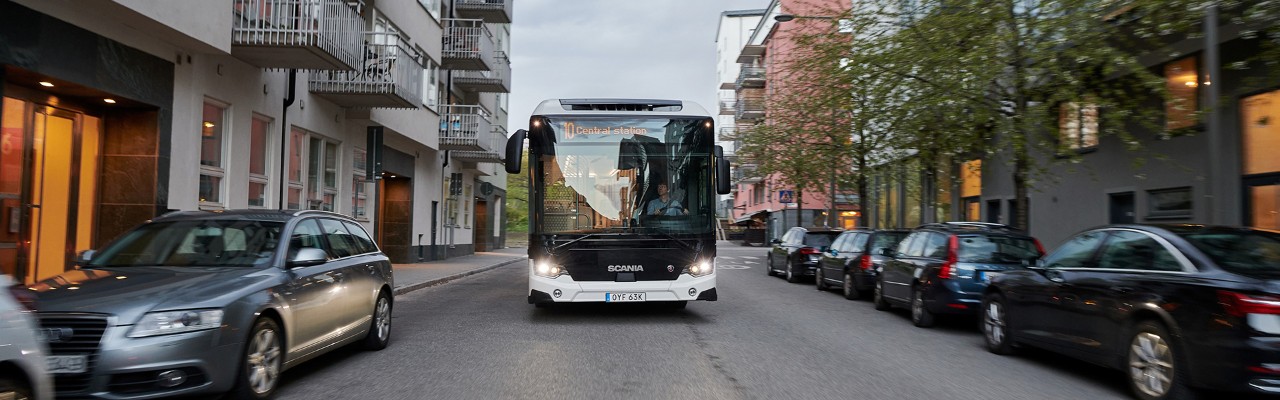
(67,364)
(623,297)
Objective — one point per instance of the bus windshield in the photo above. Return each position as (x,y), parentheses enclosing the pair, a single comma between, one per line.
(605,174)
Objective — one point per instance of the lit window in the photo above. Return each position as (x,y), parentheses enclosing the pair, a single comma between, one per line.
(1078,125)
(1183,83)
(212,173)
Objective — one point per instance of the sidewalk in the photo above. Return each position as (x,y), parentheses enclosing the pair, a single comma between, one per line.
(410,277)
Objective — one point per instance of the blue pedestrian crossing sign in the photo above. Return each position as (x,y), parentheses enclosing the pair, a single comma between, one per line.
(786,196)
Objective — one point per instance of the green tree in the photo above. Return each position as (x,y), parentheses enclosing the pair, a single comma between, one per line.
(518,198)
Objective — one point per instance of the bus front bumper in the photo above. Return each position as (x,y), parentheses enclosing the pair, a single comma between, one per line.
(565,290)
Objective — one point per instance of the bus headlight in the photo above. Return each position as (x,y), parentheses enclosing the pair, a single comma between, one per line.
(701,268)
(545,268)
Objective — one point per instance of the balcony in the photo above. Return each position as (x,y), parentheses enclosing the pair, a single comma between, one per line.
(751,77)
(727,107)
(746,174)
(468,46)
(302,34)
(491,11)
(464,128)
(750,108)
(390,76)
(495,145)
(497,80)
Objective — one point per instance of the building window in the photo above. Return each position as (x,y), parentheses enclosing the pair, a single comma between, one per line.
(322,174)
(1169,203)
(1261,132)
(432,7)
(259,148)
(430,83)
(758,191)
(297,141)
(212,172)
(359,185)
(1182,82)
(971,189)
(1078,125)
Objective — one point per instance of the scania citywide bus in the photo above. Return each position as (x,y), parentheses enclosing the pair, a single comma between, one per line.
(622,196)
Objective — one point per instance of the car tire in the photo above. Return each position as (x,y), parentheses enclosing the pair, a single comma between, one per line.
(1151,344)
(768,265)
(994,323)
(261,363)
(791,273)
(877,297)
(12,389)
(847,287)
(920,316)
(380,324)
(818,280)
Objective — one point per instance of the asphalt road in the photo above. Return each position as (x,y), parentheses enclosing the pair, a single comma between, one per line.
(477,338)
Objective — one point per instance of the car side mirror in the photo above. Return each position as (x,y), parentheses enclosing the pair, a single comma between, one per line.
(85,256)
(835,252)
(307,257)
(515,149)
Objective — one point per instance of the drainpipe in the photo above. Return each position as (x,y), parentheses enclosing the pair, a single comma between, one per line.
(1218,198)
(284,136)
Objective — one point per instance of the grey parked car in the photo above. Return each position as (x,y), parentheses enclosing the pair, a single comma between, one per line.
(211,302)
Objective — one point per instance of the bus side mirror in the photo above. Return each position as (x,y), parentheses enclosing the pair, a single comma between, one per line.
(515,149)
(722,172)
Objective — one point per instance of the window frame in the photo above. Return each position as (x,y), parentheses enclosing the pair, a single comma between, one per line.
(1074,126)
(267,152)
(359,185)
(320,187)
(219,171)
(1192,120)
(1154,213)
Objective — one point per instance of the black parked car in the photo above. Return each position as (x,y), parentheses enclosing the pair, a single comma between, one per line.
(853,260)
(1173,306)
(943,268)
(797,252)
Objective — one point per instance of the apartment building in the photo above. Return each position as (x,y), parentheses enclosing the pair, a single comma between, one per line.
(765,201)
(732,32)
(390,111)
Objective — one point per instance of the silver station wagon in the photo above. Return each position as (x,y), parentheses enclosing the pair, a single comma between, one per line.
(211,302)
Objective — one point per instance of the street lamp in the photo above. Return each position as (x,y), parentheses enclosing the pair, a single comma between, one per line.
(791,17)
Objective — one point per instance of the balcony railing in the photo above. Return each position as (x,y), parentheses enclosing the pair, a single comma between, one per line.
(491,11)
(497,80)
(495,146)
(390,75)
(468,45)
(751,77)
(303,34)
(463,127)
(750,108)
(727,107)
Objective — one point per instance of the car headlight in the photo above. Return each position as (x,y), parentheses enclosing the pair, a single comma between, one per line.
(546,268)
(701,268)
(169,322)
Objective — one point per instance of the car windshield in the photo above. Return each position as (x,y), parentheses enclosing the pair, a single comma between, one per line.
(1243,252)
(197,243)
(819,239)
(996,249)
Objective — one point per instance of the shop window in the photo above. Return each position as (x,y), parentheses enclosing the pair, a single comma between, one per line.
(1182,80)
(1261,133)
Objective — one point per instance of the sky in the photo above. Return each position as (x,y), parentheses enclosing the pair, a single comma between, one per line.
(652,49)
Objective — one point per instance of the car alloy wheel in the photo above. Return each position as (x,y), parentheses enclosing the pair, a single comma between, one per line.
(791,273)
(768,265)
(818,280)
(877,297)
(263,358)
(850,292)
(995,326)
(380,326)
(919,315)
(1151,368)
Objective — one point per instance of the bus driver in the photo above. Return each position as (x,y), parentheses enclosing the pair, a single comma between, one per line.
(664,204)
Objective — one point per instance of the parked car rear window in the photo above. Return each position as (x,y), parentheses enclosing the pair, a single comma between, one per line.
(1245,252)
(886,240)
(195,243)
(819,239)
(996,249)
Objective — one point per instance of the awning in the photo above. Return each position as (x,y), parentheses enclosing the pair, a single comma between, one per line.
(748,217)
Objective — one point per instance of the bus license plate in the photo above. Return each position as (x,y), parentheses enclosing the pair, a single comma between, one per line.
(66,364)
(623,297)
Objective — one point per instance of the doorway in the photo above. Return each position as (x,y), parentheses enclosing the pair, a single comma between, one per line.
(1121,208)
(481,223)
(395,217)
(1262,202)
(48,187)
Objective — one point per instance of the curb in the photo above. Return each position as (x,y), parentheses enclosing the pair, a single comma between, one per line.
(399,290)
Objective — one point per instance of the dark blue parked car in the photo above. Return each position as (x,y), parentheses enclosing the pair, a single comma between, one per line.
(854,259)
